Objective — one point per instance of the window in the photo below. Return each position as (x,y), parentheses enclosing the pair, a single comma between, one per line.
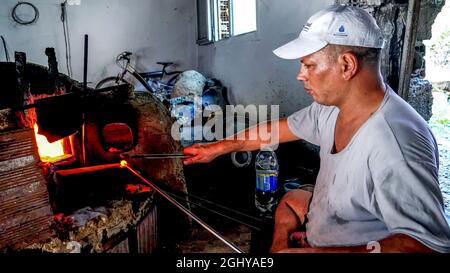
(221,19)
(244,16)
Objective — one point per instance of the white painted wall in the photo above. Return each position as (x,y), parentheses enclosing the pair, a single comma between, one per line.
(155,30)
(247,66)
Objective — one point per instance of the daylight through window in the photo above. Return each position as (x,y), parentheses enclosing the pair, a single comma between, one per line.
(221,19)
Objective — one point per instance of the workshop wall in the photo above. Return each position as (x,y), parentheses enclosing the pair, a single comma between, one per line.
(391,16)
(247,66)
(153,30)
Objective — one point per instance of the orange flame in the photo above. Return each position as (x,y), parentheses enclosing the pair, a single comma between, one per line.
(48,151)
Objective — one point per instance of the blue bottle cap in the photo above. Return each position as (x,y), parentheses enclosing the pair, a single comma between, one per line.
(291,186)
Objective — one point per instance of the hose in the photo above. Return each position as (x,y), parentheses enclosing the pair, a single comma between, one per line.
(21,21)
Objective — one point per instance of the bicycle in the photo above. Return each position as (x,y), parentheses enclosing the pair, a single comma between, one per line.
(183,108)
(152,81)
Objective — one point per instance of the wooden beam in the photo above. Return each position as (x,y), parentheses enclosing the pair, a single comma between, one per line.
(408,51)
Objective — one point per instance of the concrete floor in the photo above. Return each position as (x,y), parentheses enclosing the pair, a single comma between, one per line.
(255,239)
(202,241)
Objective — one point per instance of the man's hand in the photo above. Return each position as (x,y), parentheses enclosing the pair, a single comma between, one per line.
(200,153)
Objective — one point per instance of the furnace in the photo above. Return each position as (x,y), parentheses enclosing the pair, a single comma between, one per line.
(62,188)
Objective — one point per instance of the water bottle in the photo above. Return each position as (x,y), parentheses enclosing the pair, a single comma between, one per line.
(266,168)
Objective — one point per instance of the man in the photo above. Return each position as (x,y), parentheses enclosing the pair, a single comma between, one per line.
(377,188)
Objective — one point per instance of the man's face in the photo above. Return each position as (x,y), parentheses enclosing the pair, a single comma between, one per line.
(320,76)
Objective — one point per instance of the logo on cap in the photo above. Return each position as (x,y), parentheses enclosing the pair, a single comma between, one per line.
(341,32)
(306,27)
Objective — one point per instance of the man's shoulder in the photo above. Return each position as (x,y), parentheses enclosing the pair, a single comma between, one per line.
(403,120)
(399,129)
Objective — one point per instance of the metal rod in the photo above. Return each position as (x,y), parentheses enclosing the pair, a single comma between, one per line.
(83,125)
(182,208)
(85,68)
(88,169)
(83,141)
(154,156)
(225,208)
(214,211)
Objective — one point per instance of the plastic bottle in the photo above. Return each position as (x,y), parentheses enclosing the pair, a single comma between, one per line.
(266,168)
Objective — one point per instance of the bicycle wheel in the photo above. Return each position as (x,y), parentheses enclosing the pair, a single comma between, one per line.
(109,81)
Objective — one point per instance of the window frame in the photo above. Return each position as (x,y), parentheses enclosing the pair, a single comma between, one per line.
(205,26)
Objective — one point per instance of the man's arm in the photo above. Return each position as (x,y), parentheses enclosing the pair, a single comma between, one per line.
(397,243)
(254,138)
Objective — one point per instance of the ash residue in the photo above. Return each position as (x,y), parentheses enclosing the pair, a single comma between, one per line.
(92,227)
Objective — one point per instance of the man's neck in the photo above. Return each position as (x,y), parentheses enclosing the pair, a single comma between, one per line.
(364,96)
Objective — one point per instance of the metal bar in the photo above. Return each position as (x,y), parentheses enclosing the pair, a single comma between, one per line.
(214,211)
(88,169)
(83,141)
(83,125)
(85,66)
(182,208)
(154,156)
(190,196)
(224,208)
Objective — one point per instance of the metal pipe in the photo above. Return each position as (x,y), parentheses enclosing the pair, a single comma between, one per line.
(182,208)
(88,169)
(83,141)
(200,205)
(83,126)
(85,66)
(154,156)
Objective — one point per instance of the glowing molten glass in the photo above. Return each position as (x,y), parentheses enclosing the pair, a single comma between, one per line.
(48,151)
(123,163)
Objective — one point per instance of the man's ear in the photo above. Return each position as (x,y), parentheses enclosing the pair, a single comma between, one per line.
(349,65)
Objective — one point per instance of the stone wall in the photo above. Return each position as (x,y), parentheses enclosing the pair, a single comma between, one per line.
(391,16)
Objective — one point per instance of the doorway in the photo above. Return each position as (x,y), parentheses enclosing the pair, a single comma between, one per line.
(438,73)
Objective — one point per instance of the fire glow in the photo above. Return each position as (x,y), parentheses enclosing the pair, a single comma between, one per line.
(123,163)
(48,151)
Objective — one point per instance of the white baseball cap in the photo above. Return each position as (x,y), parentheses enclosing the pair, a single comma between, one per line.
(336,24)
